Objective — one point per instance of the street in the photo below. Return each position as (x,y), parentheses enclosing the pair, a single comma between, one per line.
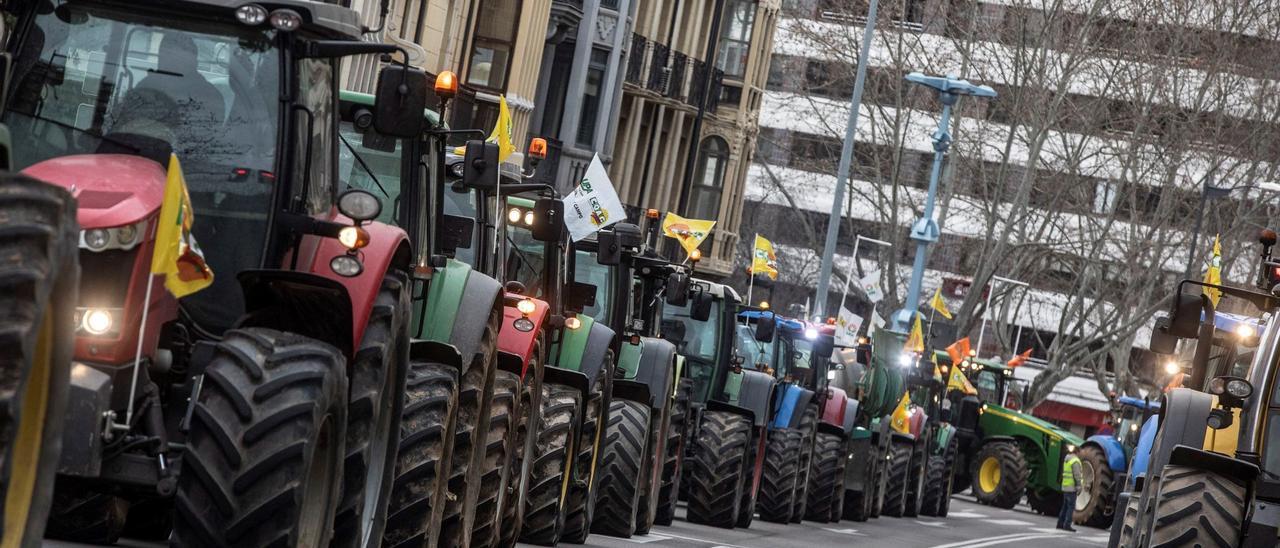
(969,525)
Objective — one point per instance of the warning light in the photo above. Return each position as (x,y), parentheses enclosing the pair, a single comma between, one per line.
(538,148)
(446,84)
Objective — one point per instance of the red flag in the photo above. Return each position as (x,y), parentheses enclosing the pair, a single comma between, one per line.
(1020,359)
(959,350)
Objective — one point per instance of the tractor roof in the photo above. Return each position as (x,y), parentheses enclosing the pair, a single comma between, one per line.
(790,324)
(718,290)
(1153,405)
(433,117)
(330,17)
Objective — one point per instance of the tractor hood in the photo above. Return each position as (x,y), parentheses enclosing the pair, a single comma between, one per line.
(112,189)
(1015,420)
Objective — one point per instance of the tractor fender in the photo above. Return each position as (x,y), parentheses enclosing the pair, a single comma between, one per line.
(1244,471)
(915,423)
(714,405)
(514,340)
(1184,415)
(510,363)
(299,302)
(834,406)
(755,395)
(792,400)
(945,434)
(655,369)
(631,390)
(1142,451)
(850,415)
(388,249)
(567,377)
(1113,450)
(825,427)
(899,436)
(459,304)
(438,352)
(584,349)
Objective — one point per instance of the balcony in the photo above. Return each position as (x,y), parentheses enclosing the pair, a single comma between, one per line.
(676,87)
(659,73)
(635,59)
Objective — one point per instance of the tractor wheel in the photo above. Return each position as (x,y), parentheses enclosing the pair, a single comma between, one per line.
(936,487)
(646,508)
(373,418)
(999,473)
(622,456)
(857,506)
(516,477)
(747,508)
(1046,503)
(715,488)
(1095,503)
(915,482)
(579,501)
(550,464)
(899,472)
(953,450)
(837,493)
(671,469)
(83,514)
(778,478)
(1129,525)
(881,475)
(823,476)
(506,416)
(39,283)
(1197,507)
(475,406)
(808,422)
(426,439)
(265,448)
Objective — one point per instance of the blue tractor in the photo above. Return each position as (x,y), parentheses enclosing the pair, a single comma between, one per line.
(1104,460)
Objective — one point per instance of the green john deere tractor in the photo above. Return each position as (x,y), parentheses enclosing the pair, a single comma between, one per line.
(1004,453)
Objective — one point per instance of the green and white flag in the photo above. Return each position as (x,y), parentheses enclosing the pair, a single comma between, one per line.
(594,204)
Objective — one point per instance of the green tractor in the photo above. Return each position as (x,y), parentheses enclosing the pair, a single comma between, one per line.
(728,409)
(1005,454)
(635,284)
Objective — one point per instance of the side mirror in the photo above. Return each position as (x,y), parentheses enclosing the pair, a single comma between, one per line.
(480,166)
(629,235)
(677,289)
(1186,318)
(548,224)
(1162,342)
(610,250)
(400,101)
(701,308)
(823,347)
(764,328)
(581,295)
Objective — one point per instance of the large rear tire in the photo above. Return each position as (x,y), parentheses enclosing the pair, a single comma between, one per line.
(373,418)
(1197,507)
(999,473)
(1129,525)
(915,481)
(1045,502)
(899,472)
(747,508)
(808,422)
(580,500)
(265,448)
(672,471)
(426,441)
(1096,502)
(39,283)
(551,463)
(498,446)
(778,478)
(625,445)
(837,492)
(646,508)
(475,404)
(937,486)
(715,488)
(823,471)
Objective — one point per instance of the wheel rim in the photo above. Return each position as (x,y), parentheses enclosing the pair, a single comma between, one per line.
(316,510)
(989,474)
(379,446)
(1084,493)
(29,438)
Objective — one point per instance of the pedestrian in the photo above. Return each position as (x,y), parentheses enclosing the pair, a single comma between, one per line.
(1071,479)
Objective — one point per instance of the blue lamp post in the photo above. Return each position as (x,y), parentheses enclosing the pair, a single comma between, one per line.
(925,229)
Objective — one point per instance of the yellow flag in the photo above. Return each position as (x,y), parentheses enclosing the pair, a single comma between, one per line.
(501,133)
(900,420)
(177,256)
(689,232)
(764,260)
(915,341)
(957,381)
(1213,275)
(938,304)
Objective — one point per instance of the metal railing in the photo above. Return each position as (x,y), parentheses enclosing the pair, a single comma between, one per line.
(676,85)
(659,73)
(635,59)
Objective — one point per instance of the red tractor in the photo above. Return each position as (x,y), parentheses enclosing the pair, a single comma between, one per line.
(263,408)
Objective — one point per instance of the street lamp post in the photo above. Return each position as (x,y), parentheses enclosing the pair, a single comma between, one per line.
(982,331)
(925,229)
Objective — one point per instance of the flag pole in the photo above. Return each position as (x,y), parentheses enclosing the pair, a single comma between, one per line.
(142,332)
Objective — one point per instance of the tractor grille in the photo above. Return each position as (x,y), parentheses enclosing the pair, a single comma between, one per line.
(104,277)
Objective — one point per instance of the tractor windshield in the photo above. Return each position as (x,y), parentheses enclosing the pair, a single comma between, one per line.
(372,162)
(92,79)
(757,354)
(526,259)
(698,342)
(588,270)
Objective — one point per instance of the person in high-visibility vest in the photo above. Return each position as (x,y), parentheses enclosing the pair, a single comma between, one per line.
(1071,481)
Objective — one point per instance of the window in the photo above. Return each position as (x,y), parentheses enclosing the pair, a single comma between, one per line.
(314,174)
(735,38)
(591,98)
(495,37)
(364,162)
(704,202)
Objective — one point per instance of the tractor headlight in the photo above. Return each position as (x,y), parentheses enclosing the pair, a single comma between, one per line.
(573,322)
(528,218)
(97,239)
(98,322)
(831,374)
(513,215)
(905,360)
(526,306)
(810,333)
(1239,388)
(251,14)
(118,237)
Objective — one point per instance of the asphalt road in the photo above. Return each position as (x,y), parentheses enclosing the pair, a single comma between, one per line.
(969,525)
